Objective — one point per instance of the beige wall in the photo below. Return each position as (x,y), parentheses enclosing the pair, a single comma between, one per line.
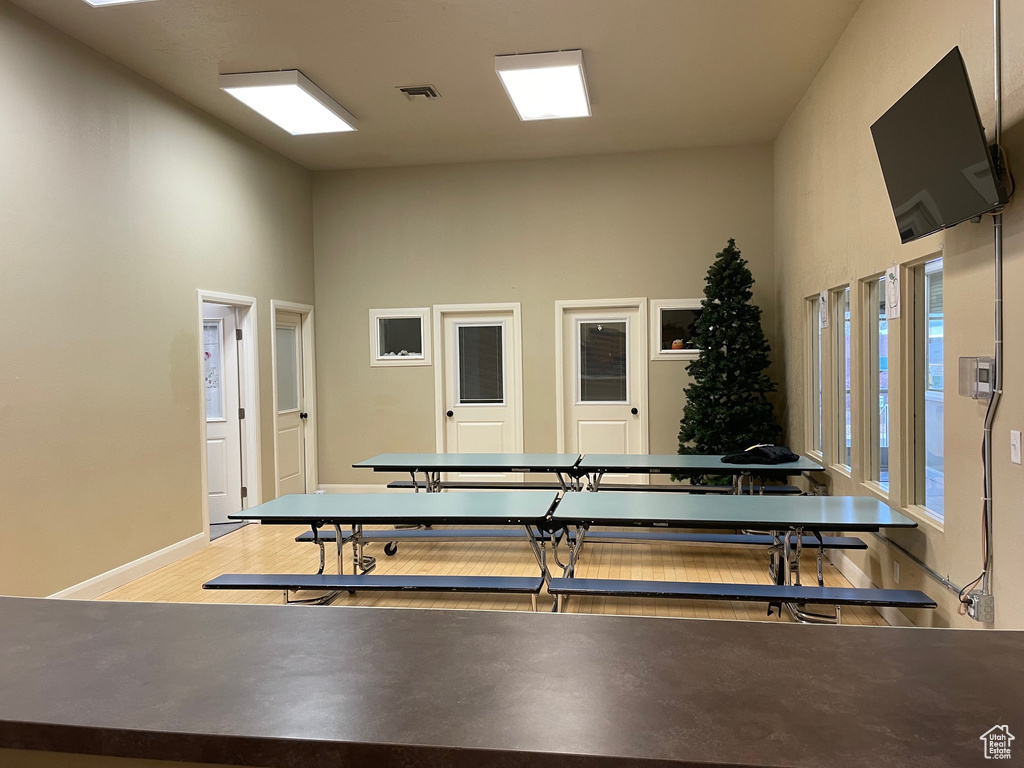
(531,232)
(118,201)
(833,225)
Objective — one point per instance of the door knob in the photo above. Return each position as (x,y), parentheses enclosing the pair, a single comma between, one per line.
(450,414)
(303,415)
(634,411)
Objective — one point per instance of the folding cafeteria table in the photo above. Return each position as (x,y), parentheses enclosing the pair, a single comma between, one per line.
(595,465)
(562,465)
(787,517)
(529,510)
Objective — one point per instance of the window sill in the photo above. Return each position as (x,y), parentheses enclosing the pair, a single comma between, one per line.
(842,469)
(922,515)
(876,490)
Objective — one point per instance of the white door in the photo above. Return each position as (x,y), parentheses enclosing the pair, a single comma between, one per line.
(291,413)
(603,389)
(481,399)
(223,427)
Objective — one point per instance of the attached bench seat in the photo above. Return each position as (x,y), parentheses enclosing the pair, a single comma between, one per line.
(730,539)
(593,537)
(509,485)
(497,485)
(758,593)
(785,490)
(426,534)
(524,585)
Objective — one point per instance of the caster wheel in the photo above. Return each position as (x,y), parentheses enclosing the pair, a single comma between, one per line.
(352,592)
(390,548)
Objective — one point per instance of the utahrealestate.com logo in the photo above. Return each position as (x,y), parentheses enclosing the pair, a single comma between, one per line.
(997,742)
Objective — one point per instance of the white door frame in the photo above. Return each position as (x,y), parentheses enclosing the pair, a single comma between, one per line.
(249,398)
(305,311)
(561,307)
(442,310)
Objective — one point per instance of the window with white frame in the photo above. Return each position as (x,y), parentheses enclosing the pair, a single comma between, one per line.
(841,367)
(814,420)
(673,327)
(877,373)
(399,337)
(929,388)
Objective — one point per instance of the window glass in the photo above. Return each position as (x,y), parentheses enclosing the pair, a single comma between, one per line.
(814,388)
(677,329)
(481,365)
(928,443)
(845,432)
(287,341)
(399,336)
(603,362)
(878,382)
(212,355)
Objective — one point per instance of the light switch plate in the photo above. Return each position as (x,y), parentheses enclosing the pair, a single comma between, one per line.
(1015,446)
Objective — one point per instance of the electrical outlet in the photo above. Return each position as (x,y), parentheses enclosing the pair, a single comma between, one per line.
(896,571)
(1015,446)
(981,607)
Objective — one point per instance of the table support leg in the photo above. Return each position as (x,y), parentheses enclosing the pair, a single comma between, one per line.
(339,543)
(799,611)
(361,562)
(539,551)
(319,542)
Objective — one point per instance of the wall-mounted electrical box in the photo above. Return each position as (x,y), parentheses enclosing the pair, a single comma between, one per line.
(977,375)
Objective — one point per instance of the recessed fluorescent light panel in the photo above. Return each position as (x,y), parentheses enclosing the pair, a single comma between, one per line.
(545,86)
(98,3)
(290,100)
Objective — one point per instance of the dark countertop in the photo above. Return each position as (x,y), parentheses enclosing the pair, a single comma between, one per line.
(302,686)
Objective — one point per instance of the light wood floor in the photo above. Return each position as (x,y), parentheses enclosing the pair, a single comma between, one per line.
(272,549)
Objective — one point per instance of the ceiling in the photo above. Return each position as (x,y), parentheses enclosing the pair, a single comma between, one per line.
(661,73)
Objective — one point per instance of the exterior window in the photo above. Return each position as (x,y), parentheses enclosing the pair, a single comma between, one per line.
(878,383)
(814,383)
(844,433)
(929,387)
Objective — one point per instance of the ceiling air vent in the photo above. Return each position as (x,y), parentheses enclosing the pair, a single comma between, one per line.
(426,91)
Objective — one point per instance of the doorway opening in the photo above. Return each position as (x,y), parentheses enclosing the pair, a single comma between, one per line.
(229,417)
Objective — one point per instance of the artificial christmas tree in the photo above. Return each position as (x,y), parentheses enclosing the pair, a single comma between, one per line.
(727,408)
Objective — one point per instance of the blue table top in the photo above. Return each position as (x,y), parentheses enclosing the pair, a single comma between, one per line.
(820,513)
(471,462)
(670,462)
(489,508)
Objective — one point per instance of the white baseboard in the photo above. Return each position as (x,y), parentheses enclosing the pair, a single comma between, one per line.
(860,580)
(359,488)
(118,577)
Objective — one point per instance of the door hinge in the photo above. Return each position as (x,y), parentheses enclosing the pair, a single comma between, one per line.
(238,334)
(245,492)
(241,413)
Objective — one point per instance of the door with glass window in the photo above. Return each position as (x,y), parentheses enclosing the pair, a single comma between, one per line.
(480,397)
(291,414)
(602,351)
(223,427)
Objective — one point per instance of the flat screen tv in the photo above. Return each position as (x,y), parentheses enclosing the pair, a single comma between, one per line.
(934,157)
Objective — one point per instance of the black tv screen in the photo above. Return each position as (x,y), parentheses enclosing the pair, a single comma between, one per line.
(933,153)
